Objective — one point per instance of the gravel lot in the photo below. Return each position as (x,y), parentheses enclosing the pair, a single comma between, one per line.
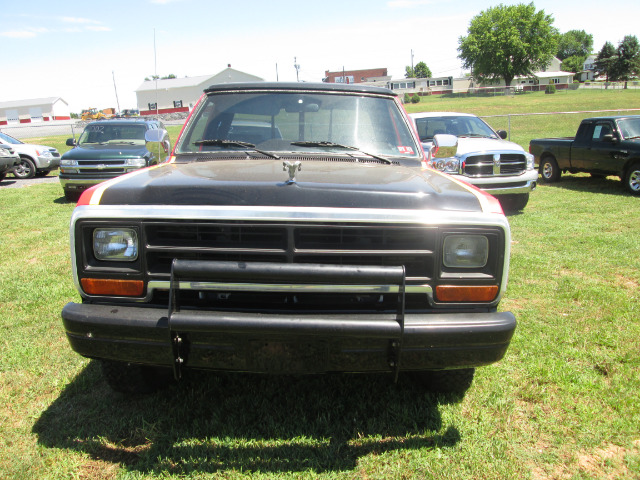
(11,182)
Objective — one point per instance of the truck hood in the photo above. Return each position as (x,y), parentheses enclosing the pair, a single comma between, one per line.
(105,152)
(264,183)
(30,149)
(479,145)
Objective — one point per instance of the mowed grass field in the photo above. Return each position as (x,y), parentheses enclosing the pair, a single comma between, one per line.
(562,404)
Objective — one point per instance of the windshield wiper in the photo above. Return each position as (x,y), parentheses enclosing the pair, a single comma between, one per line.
(234,143)
(339,145)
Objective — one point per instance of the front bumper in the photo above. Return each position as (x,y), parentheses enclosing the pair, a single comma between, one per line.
(74,182)
(287,343)
(7,163)
(47,163)
(503,185)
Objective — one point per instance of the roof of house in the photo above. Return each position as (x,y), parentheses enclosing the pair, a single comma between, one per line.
(225,76)
(31,102)
(552,74)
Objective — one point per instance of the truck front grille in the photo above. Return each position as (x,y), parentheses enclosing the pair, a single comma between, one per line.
(336,244)
(104,167)
(489,165)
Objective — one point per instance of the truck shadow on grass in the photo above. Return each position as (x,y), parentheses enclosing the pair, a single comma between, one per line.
(611,185)
(231,422)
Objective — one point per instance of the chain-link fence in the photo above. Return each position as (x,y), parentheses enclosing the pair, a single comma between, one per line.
(71,128)
(522,127)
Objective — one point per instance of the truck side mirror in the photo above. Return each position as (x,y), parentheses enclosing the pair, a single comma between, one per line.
(71,142)
(158,143)
(502,134)
(609,137)
(444,146)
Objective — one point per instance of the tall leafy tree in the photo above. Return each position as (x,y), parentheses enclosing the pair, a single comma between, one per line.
(627,64)
(573,64)
(574,43)
(419,71)
(504,42)
(422,71)
(605,61)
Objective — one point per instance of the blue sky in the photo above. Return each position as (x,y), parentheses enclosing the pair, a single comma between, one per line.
(74,49)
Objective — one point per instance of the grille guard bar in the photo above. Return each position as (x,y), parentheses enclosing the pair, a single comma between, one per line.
(240,276)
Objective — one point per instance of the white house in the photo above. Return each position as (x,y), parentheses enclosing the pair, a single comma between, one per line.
(181,94)
(588,72)
(34,110)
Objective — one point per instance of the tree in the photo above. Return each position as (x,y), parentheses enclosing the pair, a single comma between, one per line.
(573,64)
(419,71)
(574,43)
(627,63)
(504,42)
(605,60)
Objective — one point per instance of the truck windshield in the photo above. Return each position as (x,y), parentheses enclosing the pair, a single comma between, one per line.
(461,126)
(9,139)
(109,133)
(299,121)
(629,128)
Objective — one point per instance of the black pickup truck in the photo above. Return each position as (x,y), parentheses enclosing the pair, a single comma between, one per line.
(293,230)
(603,146)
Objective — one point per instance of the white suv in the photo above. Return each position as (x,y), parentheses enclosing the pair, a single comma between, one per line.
(34,159)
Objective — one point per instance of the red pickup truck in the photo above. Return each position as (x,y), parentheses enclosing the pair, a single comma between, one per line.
(603,146)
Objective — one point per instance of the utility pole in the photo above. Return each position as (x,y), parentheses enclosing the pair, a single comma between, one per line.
(412,72)
(297,67)
(114,87)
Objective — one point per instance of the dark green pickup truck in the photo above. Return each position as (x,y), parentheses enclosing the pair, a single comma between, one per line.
(603,146)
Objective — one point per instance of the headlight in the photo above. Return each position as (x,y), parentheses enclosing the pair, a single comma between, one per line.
(44,153)
(115,244)
(136,162)
(530,161)
(68,163)
(4,152)
(447,165)
(466,251)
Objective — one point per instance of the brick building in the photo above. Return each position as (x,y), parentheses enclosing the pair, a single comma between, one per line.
(370,75)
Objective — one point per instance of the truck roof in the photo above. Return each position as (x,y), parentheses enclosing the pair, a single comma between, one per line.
(302,86)
(610,117)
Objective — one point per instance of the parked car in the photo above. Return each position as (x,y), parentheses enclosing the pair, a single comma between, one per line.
(8,160)
(315,250)
(110,148)
(34,159)
(128,113)
(602,146)
(481,156)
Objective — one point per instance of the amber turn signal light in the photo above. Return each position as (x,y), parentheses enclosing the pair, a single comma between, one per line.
(121,288)
(462,293)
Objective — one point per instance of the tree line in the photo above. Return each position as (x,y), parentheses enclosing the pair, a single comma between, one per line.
(509,41)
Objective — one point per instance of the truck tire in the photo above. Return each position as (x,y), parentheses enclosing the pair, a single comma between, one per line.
(632,179)
(549,170)
(513,202)
(26,169)
(446,381)
(131,378)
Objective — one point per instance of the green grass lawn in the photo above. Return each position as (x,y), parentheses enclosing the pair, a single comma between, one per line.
(562,404)
(513,113)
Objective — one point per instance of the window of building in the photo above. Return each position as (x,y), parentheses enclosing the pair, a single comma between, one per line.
(177,104)
(554,80)
(345,79)
(153,106)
